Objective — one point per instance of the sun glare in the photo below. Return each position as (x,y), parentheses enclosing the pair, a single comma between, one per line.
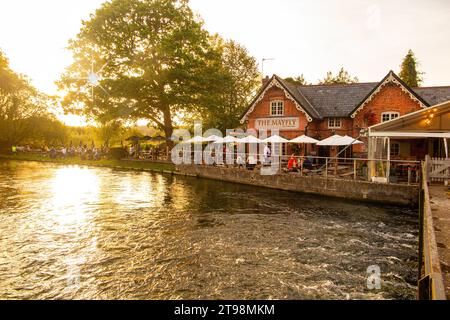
(72,188)
(73,120)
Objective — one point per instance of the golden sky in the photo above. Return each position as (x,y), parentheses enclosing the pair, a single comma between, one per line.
(367,37)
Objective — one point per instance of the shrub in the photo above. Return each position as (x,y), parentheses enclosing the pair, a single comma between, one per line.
(117,153)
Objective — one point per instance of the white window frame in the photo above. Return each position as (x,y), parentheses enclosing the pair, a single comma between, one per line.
(391,149)
(390,115)
(277,107)
(332,123)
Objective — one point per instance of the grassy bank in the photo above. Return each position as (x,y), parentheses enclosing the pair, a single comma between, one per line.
(118,164)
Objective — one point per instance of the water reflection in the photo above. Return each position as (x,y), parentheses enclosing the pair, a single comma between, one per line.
(77,232)
(74,192)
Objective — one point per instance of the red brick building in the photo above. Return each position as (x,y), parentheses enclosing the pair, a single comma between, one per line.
(320,111)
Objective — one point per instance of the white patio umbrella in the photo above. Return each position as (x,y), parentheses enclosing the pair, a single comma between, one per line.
(303,139)
(338,140)
(276,139)
(330,141)
(250,139)
(213,138)
(199,139)
(227,139)
(350,140)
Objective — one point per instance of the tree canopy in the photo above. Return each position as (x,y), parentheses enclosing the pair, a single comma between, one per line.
(408,70)
(237,83)
(22,107)
(299,80)
(156,62)
(342,77)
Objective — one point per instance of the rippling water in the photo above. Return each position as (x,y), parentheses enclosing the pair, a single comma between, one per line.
(70,232)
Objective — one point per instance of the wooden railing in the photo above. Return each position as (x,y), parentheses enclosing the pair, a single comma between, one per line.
(430,284)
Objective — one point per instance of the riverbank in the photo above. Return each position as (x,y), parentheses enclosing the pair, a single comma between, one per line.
(396,194)
(109,163)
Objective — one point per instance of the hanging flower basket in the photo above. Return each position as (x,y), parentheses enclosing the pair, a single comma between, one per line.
(370,118)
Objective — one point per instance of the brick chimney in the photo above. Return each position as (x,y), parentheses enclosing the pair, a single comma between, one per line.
(265,80)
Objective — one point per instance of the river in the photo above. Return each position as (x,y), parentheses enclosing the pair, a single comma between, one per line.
(77,232)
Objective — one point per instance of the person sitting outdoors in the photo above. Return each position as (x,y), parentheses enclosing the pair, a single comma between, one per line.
(132,151)
(251,162)
(52,152)
(307,164)
(292,164)
(95,154)
(64,152)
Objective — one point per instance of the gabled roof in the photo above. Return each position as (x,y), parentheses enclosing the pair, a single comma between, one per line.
(291,93)
(391,77)
(344,100)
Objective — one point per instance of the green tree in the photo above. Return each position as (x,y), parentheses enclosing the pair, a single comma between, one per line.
(300,80)
(342,77)
(408,70)
(234,86)
(110,132)
(20,105)
(157,63)
(46,130)
(84,135)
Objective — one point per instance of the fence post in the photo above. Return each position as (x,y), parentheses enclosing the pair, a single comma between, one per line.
(326,168)
(301,165)
(354,169)
(335,166)
(421,220)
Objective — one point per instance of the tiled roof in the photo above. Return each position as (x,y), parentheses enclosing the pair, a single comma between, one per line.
(299,96)
(434,95)
(336,100)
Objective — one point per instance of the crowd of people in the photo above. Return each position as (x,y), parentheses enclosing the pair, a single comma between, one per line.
(83,151)
(294,164)
(146,152)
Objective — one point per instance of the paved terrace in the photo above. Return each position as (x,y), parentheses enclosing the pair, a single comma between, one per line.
(440,210)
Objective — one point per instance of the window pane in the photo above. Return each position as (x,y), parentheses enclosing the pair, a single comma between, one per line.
(386,116)
(276,108)
(395,149)
(334,122)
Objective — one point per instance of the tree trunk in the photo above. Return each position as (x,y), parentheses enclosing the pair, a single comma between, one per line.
(168,127)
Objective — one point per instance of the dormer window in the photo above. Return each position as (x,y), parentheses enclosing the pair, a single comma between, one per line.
(276,108)
(386,116)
